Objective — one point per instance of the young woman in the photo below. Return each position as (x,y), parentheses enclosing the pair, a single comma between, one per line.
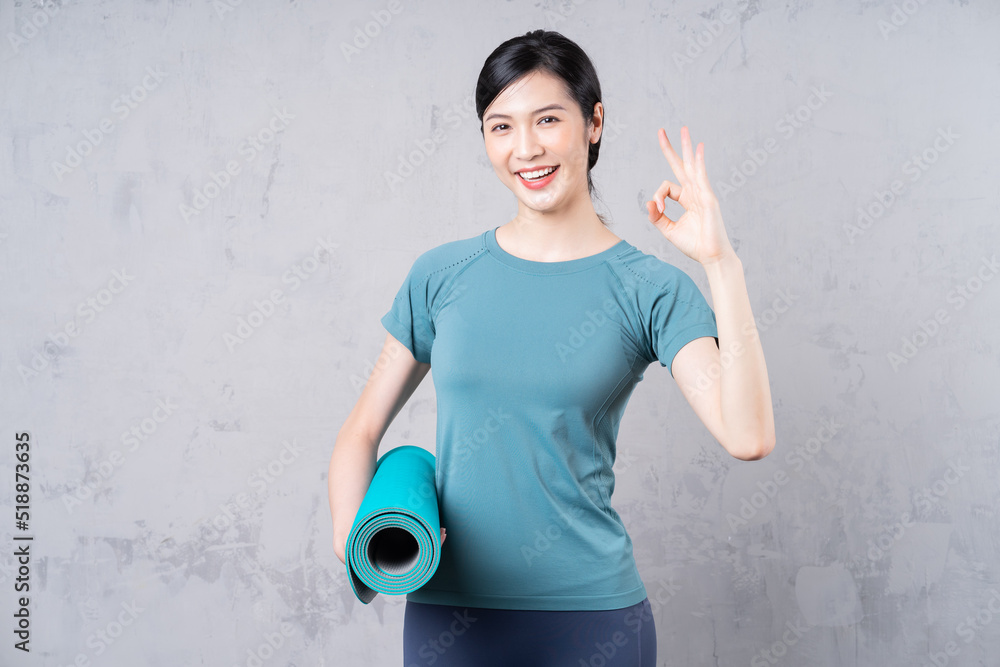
(538,331)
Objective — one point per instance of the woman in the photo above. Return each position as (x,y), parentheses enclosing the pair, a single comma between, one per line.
(539,329)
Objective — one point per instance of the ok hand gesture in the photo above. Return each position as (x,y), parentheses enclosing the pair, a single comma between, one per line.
(699,232)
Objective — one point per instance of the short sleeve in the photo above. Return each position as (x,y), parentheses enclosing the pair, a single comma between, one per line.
(679,314)
(408,319)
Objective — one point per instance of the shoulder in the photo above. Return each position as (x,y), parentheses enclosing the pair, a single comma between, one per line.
(644,274)
(447,259)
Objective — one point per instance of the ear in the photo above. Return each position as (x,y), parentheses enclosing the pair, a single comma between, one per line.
(597,123)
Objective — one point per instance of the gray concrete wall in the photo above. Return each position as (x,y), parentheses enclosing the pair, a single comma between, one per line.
(179,441)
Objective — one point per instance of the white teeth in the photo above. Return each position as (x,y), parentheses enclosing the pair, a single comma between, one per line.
(531,175)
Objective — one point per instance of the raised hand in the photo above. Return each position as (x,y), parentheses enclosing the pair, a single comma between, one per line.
(699,232)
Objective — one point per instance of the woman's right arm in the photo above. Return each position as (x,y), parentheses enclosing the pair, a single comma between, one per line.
(355,451)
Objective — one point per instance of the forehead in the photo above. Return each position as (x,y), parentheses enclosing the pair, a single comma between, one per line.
(526,93)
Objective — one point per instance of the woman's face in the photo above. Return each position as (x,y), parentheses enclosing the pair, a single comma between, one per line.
(532,124)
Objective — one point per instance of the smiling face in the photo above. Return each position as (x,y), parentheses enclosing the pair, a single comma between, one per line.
(534,125)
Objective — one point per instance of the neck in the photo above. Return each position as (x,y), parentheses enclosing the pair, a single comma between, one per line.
(545,239)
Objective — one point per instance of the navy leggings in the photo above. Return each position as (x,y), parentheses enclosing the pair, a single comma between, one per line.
(447,636)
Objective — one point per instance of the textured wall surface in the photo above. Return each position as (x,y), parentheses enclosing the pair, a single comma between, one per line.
(207,207)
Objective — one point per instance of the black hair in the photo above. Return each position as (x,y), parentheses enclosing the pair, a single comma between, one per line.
(549,51)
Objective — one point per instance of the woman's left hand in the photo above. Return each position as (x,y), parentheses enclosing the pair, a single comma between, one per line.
(699,232)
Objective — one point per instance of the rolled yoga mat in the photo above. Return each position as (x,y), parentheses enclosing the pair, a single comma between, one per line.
(394,546)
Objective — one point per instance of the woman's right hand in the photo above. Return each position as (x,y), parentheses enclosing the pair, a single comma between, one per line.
(339,549)
(443,535)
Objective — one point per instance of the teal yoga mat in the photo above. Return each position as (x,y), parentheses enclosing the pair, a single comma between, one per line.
(394,546)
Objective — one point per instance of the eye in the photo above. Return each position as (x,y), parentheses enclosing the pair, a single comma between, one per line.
(499,125)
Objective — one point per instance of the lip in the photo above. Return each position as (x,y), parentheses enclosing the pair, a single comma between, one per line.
(541,166)
(538,184)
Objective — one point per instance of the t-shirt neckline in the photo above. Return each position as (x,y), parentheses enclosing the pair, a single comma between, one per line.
(546,268)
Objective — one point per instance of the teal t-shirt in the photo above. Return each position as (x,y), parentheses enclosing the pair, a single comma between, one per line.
(533,364)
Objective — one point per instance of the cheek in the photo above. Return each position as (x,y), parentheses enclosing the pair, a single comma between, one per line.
(498,161)
(499,168)
(572,152)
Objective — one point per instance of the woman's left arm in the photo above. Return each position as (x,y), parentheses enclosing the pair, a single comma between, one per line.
(732,398)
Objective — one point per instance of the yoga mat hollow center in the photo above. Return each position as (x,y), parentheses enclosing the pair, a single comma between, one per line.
(394,546)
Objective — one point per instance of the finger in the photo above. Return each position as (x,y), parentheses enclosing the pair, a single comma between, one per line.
(652,211)
(700,166)
(654,214)
(666,189)
(686,149)
(706,187)
(672,159)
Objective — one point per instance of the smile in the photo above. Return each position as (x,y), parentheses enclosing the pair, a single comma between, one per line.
(538,178)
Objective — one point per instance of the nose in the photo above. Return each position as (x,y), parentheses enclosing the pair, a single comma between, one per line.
(526,146)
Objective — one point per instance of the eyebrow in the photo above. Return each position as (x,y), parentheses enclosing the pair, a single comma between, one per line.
(536,111)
